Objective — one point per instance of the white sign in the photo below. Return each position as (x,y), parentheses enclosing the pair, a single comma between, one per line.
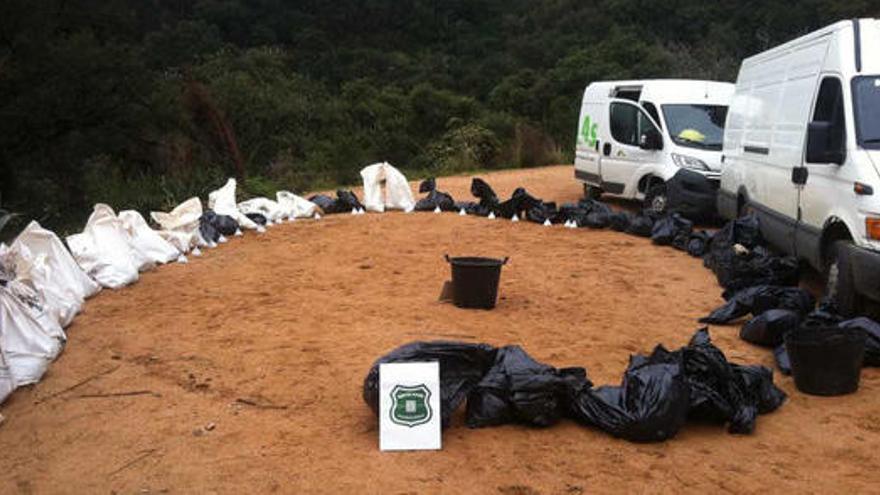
(409,406)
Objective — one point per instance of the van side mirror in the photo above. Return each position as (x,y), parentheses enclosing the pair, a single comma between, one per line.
(651,140)
(819,149)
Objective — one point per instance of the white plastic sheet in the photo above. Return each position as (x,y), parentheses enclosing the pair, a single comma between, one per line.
(295,206)
(27,349)
(398,195)
(222,202)
(147,240)
(103,250)
(264,206)
(180,226)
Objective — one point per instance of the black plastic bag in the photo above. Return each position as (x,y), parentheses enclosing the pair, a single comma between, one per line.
(324,202)
(206,227)
(650,405)
(698,243)
(756,300)
(462,366)
(768,328)
(434,198)
(519,203)
(597,220)
(483,191)
(672,230)
(620,221)
(518,389)
(542,212)
(347,201)
(782,360)
(723,392)
(872,338)
(641,225)
(257,218)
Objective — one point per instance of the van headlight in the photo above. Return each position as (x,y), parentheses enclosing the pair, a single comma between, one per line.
(690,162)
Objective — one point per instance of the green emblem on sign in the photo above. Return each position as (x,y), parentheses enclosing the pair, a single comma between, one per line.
(410,405)
(589,132)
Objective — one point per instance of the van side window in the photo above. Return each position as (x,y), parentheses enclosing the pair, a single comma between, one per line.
(652,111)
(829,108)
(628,123)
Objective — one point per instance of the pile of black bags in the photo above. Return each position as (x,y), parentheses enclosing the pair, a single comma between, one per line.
(345,202)
(657,395)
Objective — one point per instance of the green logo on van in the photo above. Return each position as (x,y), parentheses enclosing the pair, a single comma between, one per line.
(589,132)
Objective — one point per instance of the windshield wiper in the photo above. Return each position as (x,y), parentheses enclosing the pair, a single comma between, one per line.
(871,140)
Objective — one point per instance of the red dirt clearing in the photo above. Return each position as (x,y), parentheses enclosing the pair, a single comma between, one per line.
(241,372)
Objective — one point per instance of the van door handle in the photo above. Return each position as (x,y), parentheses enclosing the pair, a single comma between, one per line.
(799,175)
(606,150)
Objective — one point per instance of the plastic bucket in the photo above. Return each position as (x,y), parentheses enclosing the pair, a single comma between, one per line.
(475,281)
(826,361)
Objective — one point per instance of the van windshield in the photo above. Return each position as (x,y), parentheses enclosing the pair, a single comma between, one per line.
(696,126)
(866,102)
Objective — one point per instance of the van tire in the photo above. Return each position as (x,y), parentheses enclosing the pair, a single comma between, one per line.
(656,199)
(592,192)
(839,283)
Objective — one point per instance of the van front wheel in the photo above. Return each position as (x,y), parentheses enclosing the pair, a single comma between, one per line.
(839,285)
(656,200)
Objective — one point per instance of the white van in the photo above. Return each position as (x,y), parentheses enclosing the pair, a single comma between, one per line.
(802,150)
(634,136)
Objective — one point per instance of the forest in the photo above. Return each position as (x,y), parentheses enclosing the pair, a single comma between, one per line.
(142,104)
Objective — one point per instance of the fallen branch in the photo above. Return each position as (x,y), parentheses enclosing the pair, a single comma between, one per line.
(77,385)
(144,455)
(251,403)
(118,394)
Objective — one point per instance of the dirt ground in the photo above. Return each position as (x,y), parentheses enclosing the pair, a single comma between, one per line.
(241,372)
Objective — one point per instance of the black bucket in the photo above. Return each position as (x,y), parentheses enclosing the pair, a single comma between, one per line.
(826,361)
(475,281)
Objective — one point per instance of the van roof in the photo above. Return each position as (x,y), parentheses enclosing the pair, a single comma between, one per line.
(666,90)
(785,47)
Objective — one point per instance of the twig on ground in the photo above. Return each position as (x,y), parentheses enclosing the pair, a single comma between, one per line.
(144,454)
(258,405)
(77,385)
(118,394)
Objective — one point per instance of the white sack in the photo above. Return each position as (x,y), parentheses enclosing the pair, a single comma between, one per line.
(7,384)
(104,252)
(264,206)
(222,202)
(64,274)
(147,240)
(295,206)
(34,302)
(180,227)
(60,305)
(398,195)
(26,348)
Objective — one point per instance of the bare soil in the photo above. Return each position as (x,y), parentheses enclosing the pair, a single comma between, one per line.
(241,372)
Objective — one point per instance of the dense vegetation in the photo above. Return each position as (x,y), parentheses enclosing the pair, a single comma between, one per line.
(143,103)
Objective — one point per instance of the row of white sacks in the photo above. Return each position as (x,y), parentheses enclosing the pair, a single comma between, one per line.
(47,285)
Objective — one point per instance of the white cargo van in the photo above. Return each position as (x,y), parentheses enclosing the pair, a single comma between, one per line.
(802,150)
(634,136)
